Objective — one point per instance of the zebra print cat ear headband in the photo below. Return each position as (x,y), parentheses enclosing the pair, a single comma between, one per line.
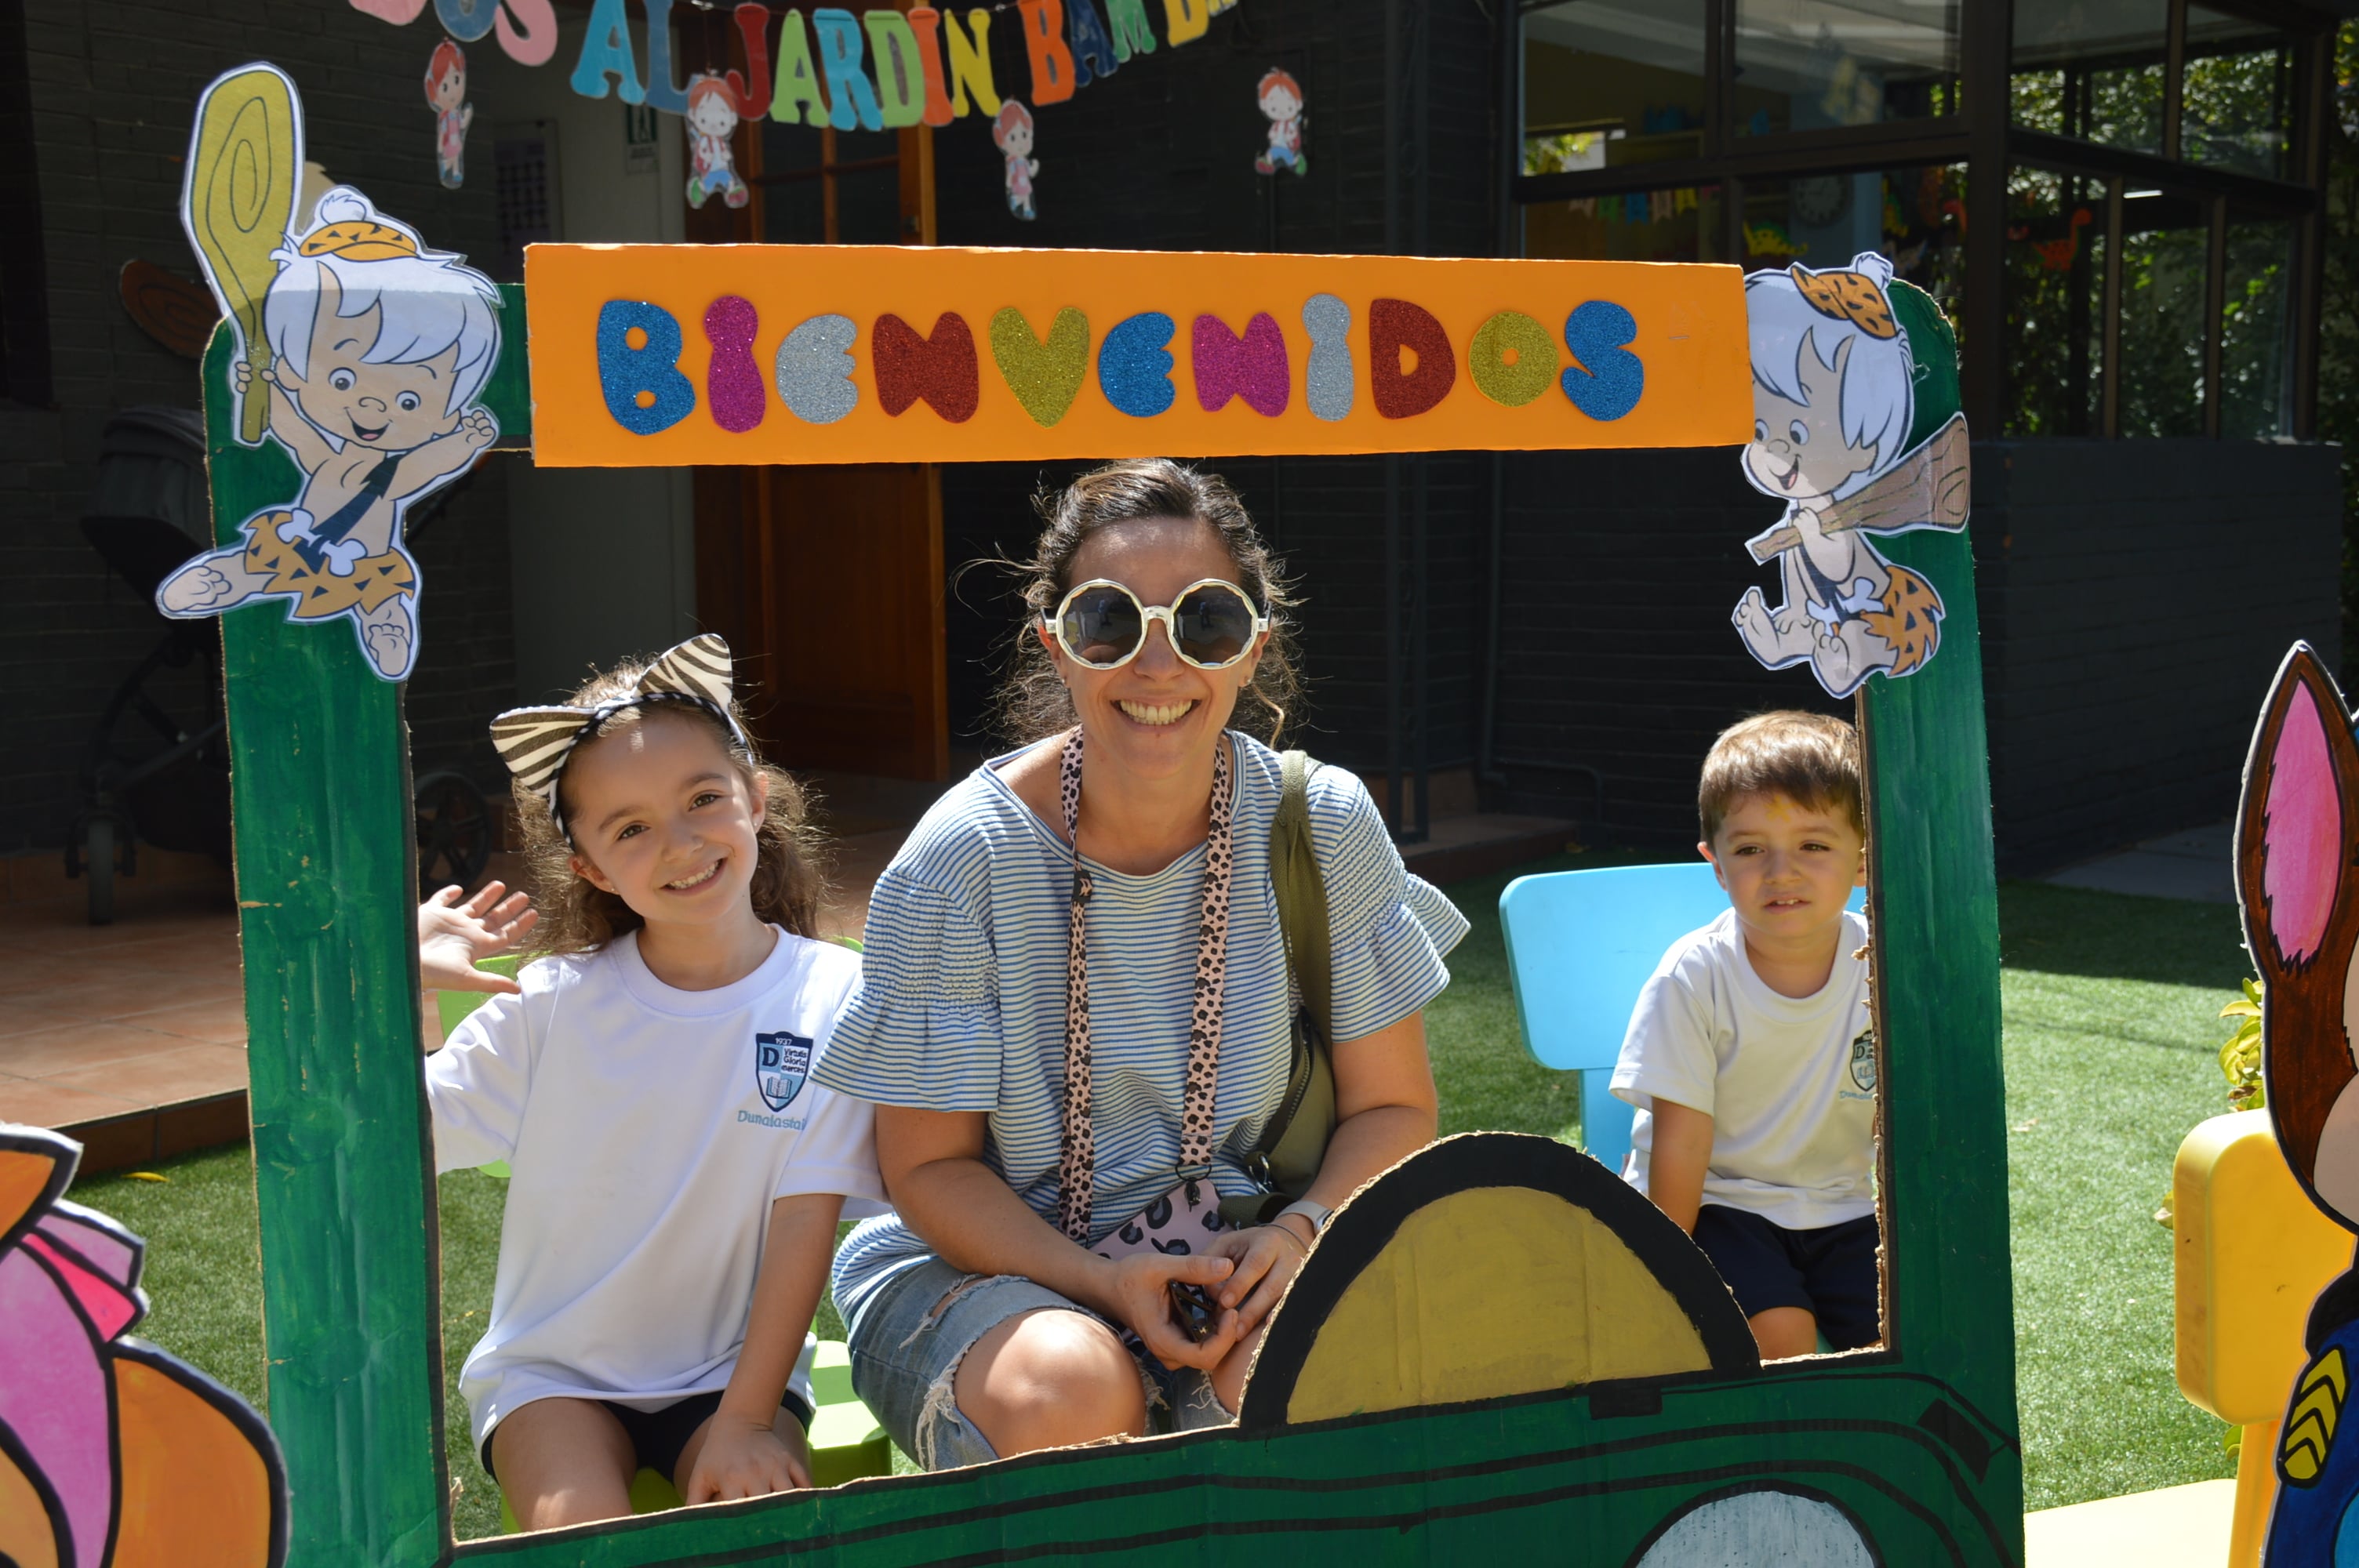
(536,742)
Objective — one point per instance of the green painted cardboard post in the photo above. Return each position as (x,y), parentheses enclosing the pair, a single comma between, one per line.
(1917,1442)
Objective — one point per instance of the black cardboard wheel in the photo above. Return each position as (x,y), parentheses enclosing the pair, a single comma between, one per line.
(454,831)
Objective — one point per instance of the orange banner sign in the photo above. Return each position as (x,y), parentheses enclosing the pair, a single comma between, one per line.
(665,355)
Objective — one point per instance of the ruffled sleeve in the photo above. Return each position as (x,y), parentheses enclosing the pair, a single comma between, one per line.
(922,1029)
(1388,929)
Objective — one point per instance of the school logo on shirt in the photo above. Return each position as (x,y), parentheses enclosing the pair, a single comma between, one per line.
(1863,1061)
(781,1062)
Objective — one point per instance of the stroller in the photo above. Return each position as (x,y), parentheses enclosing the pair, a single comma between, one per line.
(164,778)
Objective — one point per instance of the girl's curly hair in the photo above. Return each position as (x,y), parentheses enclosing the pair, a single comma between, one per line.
(1032,702)
(790,883)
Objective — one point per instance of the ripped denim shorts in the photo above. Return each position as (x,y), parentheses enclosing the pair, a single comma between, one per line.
(910,1333)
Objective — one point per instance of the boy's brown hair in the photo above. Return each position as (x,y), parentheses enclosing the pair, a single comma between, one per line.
(1811,759)
(790,869)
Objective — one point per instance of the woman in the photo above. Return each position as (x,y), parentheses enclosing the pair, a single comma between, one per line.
(981,1322)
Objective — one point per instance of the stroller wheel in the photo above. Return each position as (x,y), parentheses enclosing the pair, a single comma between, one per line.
(98,865)
(454,831)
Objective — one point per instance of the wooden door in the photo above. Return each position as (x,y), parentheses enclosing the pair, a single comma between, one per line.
(828,579)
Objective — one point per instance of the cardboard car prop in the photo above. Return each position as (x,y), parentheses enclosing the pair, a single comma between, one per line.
(1498,1352)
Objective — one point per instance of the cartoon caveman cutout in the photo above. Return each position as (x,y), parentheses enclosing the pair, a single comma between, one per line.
(375,348)
(1833,393)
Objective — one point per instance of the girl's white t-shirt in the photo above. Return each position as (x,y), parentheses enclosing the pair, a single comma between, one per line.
(1789,1082)
(648,1130)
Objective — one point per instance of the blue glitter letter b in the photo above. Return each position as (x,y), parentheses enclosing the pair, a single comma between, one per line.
(645,391)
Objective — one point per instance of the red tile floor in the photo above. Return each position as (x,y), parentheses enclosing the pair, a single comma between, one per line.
(132,1035)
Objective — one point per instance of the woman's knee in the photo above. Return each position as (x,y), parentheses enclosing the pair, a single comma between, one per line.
(1047,1379)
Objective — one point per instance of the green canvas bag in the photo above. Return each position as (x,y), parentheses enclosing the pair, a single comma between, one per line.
(1287,1159)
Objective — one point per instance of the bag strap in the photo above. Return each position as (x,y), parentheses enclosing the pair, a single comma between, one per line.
(1302,893)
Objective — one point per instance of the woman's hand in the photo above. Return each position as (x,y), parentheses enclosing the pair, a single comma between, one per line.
(1268,1257)
(744,1458)
(452,934)
(1137,1291)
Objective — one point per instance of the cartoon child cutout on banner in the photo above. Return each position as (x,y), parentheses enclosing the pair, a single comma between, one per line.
(379,347)
(446,93)
(1280,97)
(711,163)
(2297,840)
(1013,133)
(1834,394)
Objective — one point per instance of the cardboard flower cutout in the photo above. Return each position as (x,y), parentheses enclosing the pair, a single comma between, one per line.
(361,352)
(113,1455)
(1833,397)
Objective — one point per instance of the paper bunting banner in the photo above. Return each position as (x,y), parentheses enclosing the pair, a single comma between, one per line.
(877,70)
(1280,97)
(446,94)
(1833,398)
(361,352)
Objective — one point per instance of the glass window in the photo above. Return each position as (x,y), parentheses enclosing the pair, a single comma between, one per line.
(1608,83)
(867,195)
(2164,241)
(2093,68)
(2238,95)
(2055,294)
(2257,315)
(1807,64)
(1688,223)
(1916,216)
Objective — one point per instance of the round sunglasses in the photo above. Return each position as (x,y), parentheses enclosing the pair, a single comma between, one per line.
(1212,624)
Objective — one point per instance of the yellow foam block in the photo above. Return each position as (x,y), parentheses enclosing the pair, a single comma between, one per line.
(2253,1254)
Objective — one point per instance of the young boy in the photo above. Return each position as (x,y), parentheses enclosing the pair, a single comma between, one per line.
(1751,1055)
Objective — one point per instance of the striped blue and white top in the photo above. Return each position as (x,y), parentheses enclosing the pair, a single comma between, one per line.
(961,999)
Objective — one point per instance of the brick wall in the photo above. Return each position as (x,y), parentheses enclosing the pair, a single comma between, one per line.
(111,90)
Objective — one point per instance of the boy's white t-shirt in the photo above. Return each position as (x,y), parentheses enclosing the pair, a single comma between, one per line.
(1789,1082)
(647,1129)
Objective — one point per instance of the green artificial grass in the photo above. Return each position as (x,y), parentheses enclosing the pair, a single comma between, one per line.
(2110,1006)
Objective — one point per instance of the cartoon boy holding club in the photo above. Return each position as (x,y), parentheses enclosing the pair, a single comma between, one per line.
(376,348)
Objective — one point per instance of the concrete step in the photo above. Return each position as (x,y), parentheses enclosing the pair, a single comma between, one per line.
(1483,843)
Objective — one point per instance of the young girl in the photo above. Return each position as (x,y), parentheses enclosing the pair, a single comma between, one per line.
(677,1180)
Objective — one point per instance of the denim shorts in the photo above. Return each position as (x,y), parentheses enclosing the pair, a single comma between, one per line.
(909,1335)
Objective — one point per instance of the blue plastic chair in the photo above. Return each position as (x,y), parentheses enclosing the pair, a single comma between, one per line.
(1580,946)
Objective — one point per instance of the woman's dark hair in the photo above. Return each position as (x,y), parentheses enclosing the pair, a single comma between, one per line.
(1032,702)
(576,916)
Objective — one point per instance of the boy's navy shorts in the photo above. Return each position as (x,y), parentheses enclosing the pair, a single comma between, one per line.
(1829,1272)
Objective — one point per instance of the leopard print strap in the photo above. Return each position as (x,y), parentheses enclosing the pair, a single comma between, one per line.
(1077,1159)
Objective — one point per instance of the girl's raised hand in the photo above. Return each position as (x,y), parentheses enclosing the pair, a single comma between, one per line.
(452,934)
